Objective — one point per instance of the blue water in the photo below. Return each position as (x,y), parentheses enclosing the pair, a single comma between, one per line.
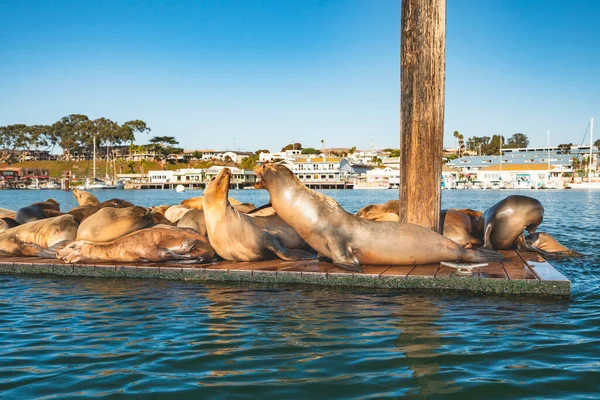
(76,337)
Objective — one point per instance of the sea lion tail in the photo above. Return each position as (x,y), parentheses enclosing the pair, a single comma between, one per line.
(480,254)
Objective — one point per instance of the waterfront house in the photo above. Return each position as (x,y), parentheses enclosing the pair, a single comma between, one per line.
(317,169)
(288,155)
(520,176)
(239,177)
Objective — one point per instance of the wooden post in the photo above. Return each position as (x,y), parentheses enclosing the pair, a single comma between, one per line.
(422,74)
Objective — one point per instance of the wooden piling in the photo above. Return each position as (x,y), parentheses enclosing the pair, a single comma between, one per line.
(422,74)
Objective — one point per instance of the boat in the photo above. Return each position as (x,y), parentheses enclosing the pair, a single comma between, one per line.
(372,185)
(589,184)
(98,184)
(180,188)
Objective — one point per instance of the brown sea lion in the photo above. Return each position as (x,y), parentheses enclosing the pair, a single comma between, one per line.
(244,207)
(238,237)
(388,217)
(84,198)
(4,212)
(193,219)
(156,244)
(7,223)
(40,210)
(110,223)
(196,202)
(40,238)
(503,223)
(262,211)
(159,209)
(82,212)
(375,211)
(544,242)
(351,241)
(460,226)
(176,212)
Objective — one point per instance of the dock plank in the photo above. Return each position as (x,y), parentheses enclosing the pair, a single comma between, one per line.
(374,269)
(541,268)
(515,267)
(444,272)
(426,271)
(398,270)
(493,271)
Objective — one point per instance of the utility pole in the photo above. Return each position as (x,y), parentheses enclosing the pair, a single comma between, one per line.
(422,76)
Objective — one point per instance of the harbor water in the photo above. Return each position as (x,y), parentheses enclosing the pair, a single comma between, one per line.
(78,337)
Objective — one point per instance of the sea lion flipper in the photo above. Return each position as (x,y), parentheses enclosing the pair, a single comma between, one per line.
(487,242)
(344,257)
(289,254)
(51,251)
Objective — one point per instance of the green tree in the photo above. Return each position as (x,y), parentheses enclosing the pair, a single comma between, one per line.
(129,129)
(310,150)
(352,150)
(395,153)
(164,146)
(292,146)
(198,155)
(249,162)
(73,131)
(517,141)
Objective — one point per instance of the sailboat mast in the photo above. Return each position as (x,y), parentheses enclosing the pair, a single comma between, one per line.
(548,151)
(591,144)
(94,157)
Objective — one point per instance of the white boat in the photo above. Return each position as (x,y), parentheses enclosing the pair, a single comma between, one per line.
(97,184)
(589,184)
(371,185)
(180,188)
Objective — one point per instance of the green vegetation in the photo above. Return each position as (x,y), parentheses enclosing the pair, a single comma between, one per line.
(310,150)
(292,146)
(73,133)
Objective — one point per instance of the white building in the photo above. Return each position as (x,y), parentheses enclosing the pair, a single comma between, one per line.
(161,176)
(238,176)
(316,169)
(287,155)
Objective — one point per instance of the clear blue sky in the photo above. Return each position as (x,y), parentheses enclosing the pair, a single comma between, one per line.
(267,73)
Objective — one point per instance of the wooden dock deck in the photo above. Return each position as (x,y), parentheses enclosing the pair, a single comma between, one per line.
(517,274)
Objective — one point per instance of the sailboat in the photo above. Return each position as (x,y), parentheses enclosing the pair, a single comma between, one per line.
(98,183)
(589,184)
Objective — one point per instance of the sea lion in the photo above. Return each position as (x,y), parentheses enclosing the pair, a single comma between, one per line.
(175,213)
(193,219)
(110,223)
(85,198)
(40,238)
(388,217)
(82,212)
(7,223)
(5,212)
(503,223)
(544,242)
(244,207)
(37,211)
(238,237)
(157,244)
(159,209)
(458,226)
(351,241)
(375,211)
(262,211)
(196,202)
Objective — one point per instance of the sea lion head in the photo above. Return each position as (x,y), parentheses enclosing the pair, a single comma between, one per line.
(53,204)
(372,211)
(272,173)
(218,188)
(85,198)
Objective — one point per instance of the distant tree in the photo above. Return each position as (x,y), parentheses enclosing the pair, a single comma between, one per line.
(310,150)
(376,160)
(352,150)
(517,141)
(292,146)
(228,160)
(456,135)
(395,153)
(198,155)
(461,144)
(130,128)
(164,146)
(249,162)
(72,131)
(597,143)
(257,152)
(565,148)
(131,165)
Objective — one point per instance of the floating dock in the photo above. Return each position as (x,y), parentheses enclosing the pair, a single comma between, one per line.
(517,274)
